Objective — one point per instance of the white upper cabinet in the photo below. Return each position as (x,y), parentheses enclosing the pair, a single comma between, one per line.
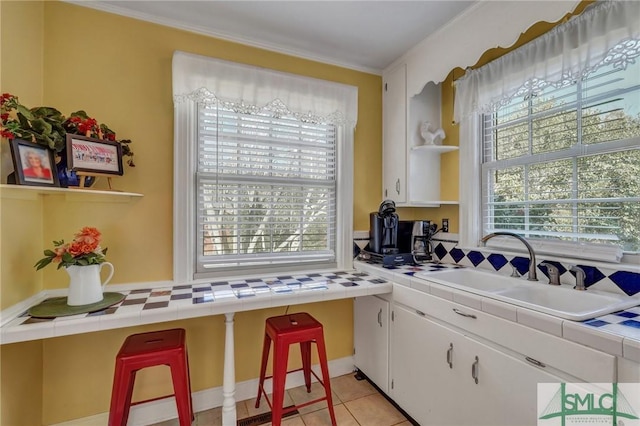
(394,131)
(410,165)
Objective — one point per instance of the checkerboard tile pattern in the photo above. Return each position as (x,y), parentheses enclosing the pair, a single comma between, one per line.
(181,296)
(426,267)
(625,322)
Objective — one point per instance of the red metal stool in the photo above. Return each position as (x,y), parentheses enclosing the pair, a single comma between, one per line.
(284,331)
(166,347)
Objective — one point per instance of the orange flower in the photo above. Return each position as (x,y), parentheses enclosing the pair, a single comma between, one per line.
(89,235)
(78,248)
(60,251)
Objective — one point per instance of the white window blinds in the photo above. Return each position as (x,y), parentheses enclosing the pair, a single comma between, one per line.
(267,189)
(563,161)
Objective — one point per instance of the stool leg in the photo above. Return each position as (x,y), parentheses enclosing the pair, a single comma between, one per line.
(305,351)
(280,361)
(263,367)
(180,378)
(186,358)
(121,393)
(326,380)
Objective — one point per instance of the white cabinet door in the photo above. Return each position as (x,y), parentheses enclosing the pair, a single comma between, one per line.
(506,388)
(394,131)
(423,383)
(371,339)
(434,371)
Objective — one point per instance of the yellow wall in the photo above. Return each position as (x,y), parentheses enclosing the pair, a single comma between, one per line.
(21,373)
(119,71)
(21,37)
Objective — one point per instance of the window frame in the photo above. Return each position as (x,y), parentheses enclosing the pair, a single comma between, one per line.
(185,192)
(474,168)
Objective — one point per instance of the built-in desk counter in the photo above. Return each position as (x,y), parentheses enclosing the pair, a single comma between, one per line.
(146,305)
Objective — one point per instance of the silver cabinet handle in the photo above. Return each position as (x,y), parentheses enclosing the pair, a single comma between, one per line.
(474,370)
(459,312)
(535,362)
(380,317)
(450,355)
(398,186)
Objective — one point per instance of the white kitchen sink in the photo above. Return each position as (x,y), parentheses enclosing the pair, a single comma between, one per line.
(561,301)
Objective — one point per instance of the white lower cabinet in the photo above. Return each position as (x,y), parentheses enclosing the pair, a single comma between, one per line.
(371,339)
(442,377)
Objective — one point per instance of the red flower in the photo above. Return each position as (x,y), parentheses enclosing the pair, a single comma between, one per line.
(4,116)
(7,134)
(87,125)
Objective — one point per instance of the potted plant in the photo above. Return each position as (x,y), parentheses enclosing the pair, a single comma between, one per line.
(48,127)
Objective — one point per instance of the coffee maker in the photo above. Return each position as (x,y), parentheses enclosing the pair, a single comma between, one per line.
(423,230)
(383,229)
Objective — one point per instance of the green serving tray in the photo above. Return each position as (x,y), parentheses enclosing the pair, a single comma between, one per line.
(57,306)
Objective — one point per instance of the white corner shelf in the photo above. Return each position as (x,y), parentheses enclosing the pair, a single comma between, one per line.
(439,149)
(31,192)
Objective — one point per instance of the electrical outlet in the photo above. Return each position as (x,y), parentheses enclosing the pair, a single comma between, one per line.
(445,225)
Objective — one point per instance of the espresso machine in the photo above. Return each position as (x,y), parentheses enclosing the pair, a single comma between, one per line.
(383,229)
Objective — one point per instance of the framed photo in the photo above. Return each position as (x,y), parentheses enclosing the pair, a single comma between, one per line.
(94,156)
(33,164)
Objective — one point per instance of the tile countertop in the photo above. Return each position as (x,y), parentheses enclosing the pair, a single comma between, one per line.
(144,305)
(617,334)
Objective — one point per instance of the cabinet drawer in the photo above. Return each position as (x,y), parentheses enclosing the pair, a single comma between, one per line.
(580,361)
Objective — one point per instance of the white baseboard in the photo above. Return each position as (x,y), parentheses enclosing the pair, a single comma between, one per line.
(165,409)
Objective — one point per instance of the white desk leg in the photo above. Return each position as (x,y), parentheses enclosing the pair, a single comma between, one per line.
(229,416)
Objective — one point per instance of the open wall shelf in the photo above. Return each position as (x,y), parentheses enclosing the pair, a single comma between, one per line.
(32,192)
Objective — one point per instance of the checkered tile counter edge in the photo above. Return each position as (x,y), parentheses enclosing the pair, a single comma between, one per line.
(149,305)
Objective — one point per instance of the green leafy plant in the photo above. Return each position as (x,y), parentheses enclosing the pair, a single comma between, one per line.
(47,126)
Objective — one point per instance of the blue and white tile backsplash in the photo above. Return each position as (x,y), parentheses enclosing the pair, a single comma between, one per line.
(606,279)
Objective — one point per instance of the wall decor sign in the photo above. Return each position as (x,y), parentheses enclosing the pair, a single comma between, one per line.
(33,164)
(93,156)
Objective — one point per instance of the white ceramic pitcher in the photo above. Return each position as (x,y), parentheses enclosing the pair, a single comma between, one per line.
(85,287)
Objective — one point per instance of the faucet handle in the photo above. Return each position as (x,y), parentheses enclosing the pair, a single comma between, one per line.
(554,273)
(514,272)
(580,277)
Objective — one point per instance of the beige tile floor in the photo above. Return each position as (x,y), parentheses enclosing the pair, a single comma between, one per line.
(355,403)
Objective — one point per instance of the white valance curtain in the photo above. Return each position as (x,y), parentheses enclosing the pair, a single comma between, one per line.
(247,87)
(607,33)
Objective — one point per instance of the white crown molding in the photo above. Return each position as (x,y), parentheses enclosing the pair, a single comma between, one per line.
(173,23)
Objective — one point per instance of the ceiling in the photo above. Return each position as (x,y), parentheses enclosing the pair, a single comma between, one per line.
(362,35)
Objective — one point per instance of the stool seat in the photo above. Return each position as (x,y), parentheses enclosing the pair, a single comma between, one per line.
(284,331)
(165,347)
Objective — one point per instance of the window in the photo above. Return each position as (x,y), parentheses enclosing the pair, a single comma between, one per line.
(267,189)
(550,139)
(563,161)
(263,170)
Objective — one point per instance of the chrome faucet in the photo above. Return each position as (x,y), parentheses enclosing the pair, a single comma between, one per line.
(532,276)
(554,273)
(580,276)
